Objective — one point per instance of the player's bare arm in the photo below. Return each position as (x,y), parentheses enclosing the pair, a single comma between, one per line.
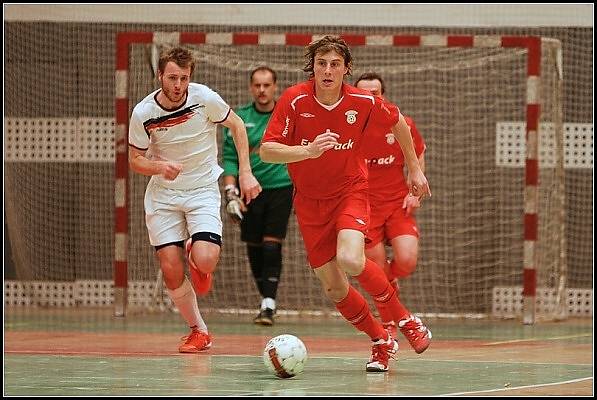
(417,182)
(279,153)
(411,203)
(249,187)
(142,165)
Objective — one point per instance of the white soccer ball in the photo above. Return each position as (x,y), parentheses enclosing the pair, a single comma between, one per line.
(285,356)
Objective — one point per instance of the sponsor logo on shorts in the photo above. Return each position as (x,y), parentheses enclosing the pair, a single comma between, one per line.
(360,221)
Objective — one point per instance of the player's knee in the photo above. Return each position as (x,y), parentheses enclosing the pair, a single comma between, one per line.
(404,265)
(350,263)
(206,261)
(207,257)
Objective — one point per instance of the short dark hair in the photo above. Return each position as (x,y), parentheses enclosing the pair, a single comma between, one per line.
(324,45)
(264,68)
(371,76)
(179,55)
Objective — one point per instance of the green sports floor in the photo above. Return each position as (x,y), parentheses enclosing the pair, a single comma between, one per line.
(89,352)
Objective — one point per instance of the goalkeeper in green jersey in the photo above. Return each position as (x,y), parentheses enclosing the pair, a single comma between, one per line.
(264,221)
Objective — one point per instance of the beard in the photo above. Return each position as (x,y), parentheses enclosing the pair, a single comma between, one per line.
(173,97)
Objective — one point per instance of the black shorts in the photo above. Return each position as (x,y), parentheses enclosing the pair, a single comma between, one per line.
(267,215)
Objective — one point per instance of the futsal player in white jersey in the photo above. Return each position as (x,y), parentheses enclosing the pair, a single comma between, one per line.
(172,138)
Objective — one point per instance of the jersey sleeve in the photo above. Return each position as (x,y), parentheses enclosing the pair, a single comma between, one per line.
(229,155)
(384,115)
(138,136)
(217,109)
(280,127)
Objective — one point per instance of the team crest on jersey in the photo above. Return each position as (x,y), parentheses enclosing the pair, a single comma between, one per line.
(390,138)
(351,116)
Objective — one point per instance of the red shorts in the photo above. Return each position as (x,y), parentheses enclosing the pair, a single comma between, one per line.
(389,220)
(321,220)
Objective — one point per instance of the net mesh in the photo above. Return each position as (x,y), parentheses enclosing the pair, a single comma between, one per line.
(59,207)
(471,227)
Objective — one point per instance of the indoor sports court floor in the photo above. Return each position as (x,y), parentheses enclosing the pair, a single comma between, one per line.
(85,352)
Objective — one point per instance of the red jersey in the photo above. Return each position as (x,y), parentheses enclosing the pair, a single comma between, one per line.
(385,161)
(298,118)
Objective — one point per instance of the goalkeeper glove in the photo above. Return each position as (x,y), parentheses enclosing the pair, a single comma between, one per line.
(234,205)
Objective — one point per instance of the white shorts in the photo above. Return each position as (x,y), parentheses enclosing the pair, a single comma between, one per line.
(172,215)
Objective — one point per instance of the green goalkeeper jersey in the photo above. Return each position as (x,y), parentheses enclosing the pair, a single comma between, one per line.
(269,176)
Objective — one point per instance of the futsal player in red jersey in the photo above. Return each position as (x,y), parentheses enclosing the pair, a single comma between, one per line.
(392,206)
(317,128)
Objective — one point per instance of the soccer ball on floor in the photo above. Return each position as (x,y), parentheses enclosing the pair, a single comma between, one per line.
(285,356)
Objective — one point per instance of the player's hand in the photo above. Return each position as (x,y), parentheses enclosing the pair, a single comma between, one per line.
(322,143)
(249,187)
(234,205)
(411,203)
(418,185)
(170,170)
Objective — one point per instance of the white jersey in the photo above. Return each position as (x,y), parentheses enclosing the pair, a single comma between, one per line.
(186,135)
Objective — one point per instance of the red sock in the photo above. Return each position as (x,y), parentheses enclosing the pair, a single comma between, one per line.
(375,282)
(355,309)
(384,312)
(397,271)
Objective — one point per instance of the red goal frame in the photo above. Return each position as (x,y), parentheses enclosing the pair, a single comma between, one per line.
(533,114)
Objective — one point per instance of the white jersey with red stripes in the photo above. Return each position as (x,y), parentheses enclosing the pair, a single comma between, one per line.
(186,135)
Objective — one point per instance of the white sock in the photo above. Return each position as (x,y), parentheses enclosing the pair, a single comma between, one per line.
(268,302)
(185,300)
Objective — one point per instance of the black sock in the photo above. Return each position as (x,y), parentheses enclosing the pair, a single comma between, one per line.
(255,253)
(272,267)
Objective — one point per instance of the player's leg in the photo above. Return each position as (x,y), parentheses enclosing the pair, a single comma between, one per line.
(278,204)
(351,258)
(204,223)
(352,225)
(320,236)
(181,293)
(251,233)
(377,254)
(354,308)
(372,278)
(406,249)
(167,230)
(404,234)
(349,302)
(255,256)
(402,228)
(203,254)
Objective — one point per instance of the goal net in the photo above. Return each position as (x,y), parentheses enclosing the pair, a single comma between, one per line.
(470,102)
(492,235)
